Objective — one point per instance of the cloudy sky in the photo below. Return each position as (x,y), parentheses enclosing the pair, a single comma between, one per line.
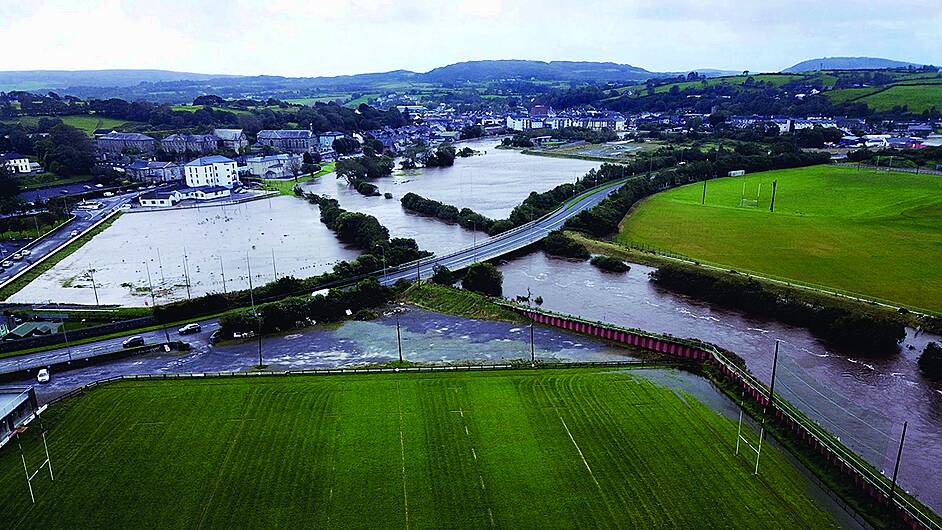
(319,37)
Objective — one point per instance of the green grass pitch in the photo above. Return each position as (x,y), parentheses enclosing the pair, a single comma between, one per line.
(548,448)
(876,233)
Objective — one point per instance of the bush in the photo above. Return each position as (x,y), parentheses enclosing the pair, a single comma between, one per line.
(442,275)
(557,243)
(851,327)
(610,264)
(930,362)
(483,278)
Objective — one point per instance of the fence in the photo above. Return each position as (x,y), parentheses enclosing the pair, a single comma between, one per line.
(850,465)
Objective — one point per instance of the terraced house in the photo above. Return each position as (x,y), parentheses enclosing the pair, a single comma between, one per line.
(190,143)
(115,143)
(288,140)
(14,162)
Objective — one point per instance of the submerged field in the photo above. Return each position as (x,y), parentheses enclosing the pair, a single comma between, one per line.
(559,448)
(871,232)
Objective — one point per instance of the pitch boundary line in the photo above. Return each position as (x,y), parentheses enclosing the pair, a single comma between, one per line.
(402,454)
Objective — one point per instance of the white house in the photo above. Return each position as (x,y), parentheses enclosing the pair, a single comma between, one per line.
(274,166)
(518,123)
(211,171)
(15,163)
(326,140)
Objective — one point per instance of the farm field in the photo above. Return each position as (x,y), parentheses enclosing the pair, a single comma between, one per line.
(87,123)
(548,448)
(916,98)
(871,232)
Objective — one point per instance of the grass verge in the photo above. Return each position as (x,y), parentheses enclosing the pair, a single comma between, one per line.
(286,186)
(459,302)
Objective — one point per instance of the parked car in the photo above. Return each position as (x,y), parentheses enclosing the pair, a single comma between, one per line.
(87,187)
(133,342)
(108,194)
(190,328)
(17,256)
(25,252)
(215,337)
(7,263)
(99,185)
(42,376)
(74,233)
(64,192)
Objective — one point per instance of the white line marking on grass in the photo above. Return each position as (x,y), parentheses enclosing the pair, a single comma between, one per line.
(582,456)
(402,454)
(475,455)
(466,430)
(222,468)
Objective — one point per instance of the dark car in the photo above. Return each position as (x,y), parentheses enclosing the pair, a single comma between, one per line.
(215,337)
(190,328)
(133,342)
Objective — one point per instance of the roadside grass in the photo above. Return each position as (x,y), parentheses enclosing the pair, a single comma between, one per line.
(522,448)
(43,180)
(13,287)
(286,186)
(876,233)
(453,301)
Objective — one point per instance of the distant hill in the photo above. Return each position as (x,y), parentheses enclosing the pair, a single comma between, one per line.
(53,79)
(846,63)
(545,71)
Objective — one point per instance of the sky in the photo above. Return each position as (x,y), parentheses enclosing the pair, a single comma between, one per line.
(318,37)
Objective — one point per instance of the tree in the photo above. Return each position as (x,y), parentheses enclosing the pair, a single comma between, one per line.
(67,151)
(930,361)
(293,166)
(442,275)
(9,191)
(483,278)
(345,146)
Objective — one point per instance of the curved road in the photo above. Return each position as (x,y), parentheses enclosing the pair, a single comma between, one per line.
(496,246)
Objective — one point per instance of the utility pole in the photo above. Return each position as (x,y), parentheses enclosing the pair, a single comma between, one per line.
(91,273)
(258,321)
(703,198)
(186,274)
(399,338)
(160,264)
(223,271)
(532,347)
(899,454)
(153,299)
(774,185)
(774,367)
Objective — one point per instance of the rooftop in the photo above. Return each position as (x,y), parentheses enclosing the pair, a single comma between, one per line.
(210,160)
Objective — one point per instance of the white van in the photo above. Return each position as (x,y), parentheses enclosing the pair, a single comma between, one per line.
(42,376)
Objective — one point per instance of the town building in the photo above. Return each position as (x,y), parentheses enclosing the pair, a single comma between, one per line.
(232,139)
(190,143)
(155,172)
(15,163)
(289,140)
(274,166)
(212,170)
(326,140)
(115,143)
(171,196)
(18,406)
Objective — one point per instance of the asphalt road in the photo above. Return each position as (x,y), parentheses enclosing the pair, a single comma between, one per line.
(501,244)
(487,249)
(84,219)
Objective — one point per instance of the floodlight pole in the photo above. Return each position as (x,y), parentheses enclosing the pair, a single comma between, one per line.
(703,198)
(222,269)
(186,274)
(899,454)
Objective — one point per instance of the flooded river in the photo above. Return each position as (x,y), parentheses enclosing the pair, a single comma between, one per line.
(861,400)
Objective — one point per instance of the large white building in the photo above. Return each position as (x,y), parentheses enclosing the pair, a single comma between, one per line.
(274,166)
(15,163)
(211,171)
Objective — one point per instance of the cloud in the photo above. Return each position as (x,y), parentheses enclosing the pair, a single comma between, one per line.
(309,38)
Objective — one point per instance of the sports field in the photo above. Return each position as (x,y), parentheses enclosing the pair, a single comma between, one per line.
(876,233)
(563,448)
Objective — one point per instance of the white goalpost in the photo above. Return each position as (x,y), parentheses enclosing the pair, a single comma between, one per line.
(47,463)
(740,439)
(749,203)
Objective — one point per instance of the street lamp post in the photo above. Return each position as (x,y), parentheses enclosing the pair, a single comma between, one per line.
(258,321)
